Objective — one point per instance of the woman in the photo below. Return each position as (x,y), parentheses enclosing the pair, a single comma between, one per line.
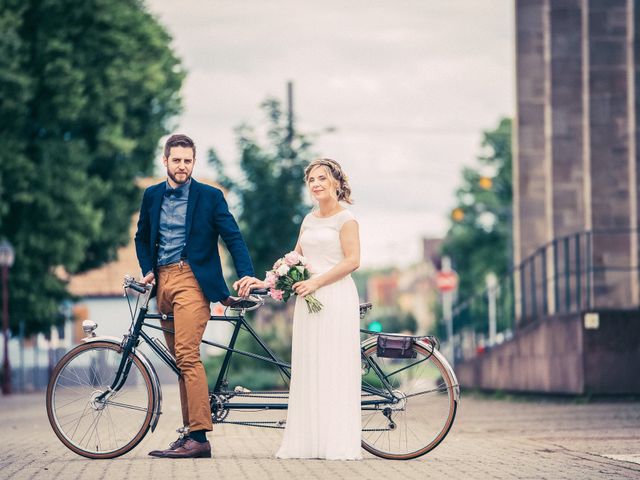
(323,420)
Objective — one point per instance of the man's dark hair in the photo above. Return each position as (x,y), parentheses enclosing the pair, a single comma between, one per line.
(178,140)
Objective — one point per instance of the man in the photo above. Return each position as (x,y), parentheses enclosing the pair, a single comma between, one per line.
(177,248)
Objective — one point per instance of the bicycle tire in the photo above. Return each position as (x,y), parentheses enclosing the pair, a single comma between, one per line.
(73,383)
(440,419)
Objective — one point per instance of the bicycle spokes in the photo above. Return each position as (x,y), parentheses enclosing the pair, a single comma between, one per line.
(408,404)
(86,414)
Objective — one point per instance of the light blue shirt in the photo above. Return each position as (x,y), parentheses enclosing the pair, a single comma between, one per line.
(173,216)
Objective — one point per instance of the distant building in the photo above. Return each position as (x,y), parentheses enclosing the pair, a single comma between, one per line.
(431,251)
(410,291)
(417,295)
(382,289)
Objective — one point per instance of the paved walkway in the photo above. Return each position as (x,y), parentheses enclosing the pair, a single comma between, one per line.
(491,439)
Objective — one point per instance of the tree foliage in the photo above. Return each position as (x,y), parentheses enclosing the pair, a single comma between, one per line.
(271,190)
(397,322)
(479,238)
(86,91)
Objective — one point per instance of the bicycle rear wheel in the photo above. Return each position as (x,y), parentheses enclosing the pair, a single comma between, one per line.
(418,415)
(89,426)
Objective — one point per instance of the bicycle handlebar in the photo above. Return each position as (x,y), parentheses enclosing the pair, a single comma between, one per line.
(130,282)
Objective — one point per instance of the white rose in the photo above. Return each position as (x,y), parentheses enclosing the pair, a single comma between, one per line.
(282,270)
(303,260)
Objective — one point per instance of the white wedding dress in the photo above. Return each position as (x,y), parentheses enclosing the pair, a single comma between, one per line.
(324,419)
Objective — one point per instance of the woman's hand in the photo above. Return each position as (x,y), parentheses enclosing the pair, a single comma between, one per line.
(306,287)
(246,284)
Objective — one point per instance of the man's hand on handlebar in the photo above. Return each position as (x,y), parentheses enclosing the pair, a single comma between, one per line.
(149,278)
(246,284)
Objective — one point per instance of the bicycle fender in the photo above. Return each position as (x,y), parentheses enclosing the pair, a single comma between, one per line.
(448,368)
(155,381)
(368,342)
(157,405)
(371,341)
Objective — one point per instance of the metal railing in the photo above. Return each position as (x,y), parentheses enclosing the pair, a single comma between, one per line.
(584,271)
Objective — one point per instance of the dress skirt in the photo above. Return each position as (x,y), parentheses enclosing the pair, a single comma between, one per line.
(324,418)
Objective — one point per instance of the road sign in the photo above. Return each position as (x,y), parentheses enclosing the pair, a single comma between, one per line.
(447,281)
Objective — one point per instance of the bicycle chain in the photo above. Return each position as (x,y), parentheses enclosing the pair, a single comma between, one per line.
(251,395)
(255,424)
(262,425)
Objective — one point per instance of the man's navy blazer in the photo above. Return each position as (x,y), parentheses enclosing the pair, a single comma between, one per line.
(208,217)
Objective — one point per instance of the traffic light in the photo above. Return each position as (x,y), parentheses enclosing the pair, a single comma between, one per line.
(375,326)
(485,183)
(457,214)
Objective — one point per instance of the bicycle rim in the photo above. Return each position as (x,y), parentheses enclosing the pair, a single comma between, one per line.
(424,409)
(86,425)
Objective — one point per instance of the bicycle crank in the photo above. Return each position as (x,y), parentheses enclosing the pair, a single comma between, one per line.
(219,410)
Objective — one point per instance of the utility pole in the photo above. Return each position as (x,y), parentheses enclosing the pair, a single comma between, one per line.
(447,283)
(290,130)
(7,256)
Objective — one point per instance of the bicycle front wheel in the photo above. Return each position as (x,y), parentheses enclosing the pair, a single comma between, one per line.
(408,404)
(86,421)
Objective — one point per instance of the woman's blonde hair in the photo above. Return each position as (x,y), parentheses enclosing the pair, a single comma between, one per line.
(343,190)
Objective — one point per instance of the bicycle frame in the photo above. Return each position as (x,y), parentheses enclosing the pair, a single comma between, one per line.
(136,333)
(239,323)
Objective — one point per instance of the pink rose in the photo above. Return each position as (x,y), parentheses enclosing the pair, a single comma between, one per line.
(292,258)
(279,262)
(276,294)
(271,279)
(282,270)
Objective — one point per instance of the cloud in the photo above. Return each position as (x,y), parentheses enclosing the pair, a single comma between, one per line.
(408,86)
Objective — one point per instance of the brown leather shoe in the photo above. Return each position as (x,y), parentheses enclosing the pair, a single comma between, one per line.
(172,446)
(190,449)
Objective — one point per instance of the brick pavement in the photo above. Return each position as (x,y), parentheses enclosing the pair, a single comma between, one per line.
(491,439)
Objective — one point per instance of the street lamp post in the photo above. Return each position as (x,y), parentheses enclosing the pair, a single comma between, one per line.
(6,262)
(492,293)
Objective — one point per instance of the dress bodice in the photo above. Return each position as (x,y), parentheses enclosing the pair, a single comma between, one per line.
(320,240)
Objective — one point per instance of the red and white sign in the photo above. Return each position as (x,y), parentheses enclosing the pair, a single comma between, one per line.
(447,281)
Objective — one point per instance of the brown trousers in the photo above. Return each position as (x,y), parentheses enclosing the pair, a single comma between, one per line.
(179,293)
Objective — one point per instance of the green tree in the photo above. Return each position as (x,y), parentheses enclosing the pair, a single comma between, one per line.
(398,322)
(479,238)
(87,88)
(271,191)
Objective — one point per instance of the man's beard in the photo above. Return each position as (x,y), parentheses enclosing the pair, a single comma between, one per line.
(175,180)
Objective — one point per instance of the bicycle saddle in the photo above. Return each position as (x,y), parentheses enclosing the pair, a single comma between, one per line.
(243,303)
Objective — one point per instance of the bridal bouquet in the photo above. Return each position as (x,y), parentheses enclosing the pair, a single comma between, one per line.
(290,269)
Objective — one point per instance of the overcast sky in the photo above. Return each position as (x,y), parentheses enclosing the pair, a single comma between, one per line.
(408,85)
